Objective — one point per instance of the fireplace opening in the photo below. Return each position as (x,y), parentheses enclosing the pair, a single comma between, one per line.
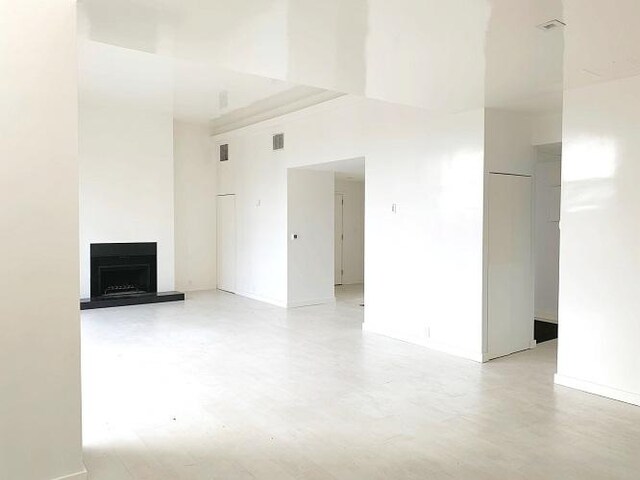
(125,280)
(123,269)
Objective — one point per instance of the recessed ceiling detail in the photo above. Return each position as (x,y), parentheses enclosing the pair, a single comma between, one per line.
(551,25)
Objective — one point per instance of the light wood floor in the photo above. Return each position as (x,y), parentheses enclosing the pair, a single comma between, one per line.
(222,387)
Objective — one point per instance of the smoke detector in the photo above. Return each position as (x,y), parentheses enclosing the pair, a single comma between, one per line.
(554,24)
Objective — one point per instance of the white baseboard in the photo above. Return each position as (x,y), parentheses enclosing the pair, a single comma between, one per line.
(282,304)
(546,317)
(82,475)
(197,289)
(457,352)
(436,346)
(597,389)
(258,298)
(488,356)
(308,303)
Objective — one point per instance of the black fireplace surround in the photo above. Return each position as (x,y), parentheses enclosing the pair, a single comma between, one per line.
(125,274)
(123,269)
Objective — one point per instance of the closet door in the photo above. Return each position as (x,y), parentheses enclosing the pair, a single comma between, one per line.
(510,265)
(339,239)
(226,242)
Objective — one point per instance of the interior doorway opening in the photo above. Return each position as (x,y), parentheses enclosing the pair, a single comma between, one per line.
(547,240)
(349,230)
(340,243)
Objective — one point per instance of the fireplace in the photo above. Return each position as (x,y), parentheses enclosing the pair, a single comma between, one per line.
(123,269)
(125,274)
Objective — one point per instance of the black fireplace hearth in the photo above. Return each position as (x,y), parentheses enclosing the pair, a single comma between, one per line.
(125,274)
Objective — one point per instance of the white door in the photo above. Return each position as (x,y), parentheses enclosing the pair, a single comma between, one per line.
(510,270)
(339,238)
(226,242)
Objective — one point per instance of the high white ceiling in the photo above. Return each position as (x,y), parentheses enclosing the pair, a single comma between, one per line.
(440,55)
(192,91)
(602,41)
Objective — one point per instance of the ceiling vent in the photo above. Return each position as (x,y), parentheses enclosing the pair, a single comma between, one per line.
(224,152)
(278,141)
(554,24)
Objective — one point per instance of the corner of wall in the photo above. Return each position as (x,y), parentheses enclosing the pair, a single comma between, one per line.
(596,389)
(81,475)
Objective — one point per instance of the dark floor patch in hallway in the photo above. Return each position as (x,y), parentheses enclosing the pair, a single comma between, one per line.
(545,331)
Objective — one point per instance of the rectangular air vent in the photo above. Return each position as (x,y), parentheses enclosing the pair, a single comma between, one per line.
(278,141)
(224,152)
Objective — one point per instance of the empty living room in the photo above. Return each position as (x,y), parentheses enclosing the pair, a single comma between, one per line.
(320,239)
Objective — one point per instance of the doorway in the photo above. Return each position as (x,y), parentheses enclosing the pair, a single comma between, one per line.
(349,230)
(326,219)
(547,240)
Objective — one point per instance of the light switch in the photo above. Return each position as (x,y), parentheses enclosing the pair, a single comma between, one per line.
(294,236)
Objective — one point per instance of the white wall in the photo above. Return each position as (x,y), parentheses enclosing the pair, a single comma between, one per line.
(310,264)
(546,129)
(353,230)
(547,236)
(419,261)
(195,207)
(423,259)
(40,411)
(126,183)
(599,247)
(508,147)
(258,178)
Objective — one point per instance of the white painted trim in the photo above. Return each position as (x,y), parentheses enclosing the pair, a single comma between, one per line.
(597,389)
(457,352)
(82,475)
(436,346)
(308,303)
(336,103)
(258,298)
(487,356)
(265,110)
(282,304)
(546,317)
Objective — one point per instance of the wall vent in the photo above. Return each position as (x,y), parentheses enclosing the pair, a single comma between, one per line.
(224,152)
(278,141)
(551,25)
